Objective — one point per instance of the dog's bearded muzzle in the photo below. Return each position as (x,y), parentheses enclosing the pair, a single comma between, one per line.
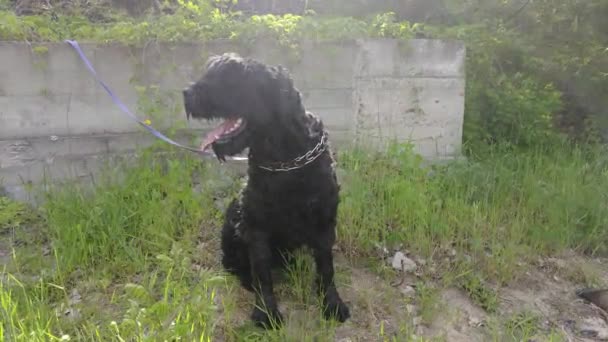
(230,137)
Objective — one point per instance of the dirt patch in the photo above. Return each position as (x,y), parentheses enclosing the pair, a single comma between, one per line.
(460,320)
(377,308)
(547,294)
(541,305)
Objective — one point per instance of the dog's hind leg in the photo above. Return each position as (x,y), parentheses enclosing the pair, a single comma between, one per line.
(266,312)
(333,306)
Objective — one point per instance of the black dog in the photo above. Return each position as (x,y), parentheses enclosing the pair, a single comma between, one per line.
(291,196)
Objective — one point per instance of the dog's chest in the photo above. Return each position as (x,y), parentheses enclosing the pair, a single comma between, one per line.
(293,213)
(299,224)
(292,205)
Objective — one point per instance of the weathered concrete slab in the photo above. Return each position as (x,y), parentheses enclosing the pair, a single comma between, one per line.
(411,109)
(413,59)
(33,115)
(56,121)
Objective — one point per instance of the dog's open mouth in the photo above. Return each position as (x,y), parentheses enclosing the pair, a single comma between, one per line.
(226,131)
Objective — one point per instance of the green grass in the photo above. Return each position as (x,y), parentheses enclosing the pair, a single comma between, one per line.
(495,211)
(134,258)
(125,223)
(127,247)
(13,215)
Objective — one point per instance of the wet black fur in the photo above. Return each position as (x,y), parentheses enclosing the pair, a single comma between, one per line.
(276,212)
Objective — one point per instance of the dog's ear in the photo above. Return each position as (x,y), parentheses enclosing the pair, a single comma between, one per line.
(285,84)
(288,97)
(301,125)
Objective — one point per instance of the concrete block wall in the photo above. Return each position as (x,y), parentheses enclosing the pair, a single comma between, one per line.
(55,120)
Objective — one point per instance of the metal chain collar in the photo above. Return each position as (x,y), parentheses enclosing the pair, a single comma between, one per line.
(300,161)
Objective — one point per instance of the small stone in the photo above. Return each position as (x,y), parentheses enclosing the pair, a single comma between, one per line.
(559,263)
(408,291)
(75,297)
(417,321)
(475,322)
(453,253)
(402,263)
(384,253)
(411,309)
(594,328)
(72,313)
(468,258)
(346,339)
(541,263)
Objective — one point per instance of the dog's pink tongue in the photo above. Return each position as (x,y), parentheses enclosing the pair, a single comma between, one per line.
(217,132)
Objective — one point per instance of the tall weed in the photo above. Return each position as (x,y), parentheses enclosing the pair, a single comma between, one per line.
(122,222)
(497,210)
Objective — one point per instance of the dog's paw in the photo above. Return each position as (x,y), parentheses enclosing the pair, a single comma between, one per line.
(336,310)
(267,320)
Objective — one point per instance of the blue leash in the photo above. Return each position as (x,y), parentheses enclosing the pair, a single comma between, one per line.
(126,110)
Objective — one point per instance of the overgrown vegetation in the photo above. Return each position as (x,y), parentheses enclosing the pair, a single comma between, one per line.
(125,252)
(135,257)
(500,209)
(12,214)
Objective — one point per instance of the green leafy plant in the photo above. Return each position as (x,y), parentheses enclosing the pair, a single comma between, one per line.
(14,214)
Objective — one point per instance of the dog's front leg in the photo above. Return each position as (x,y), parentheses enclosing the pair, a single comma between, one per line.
(333,306)
(266,312)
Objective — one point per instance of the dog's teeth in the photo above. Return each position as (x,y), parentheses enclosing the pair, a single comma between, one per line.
(233,128)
